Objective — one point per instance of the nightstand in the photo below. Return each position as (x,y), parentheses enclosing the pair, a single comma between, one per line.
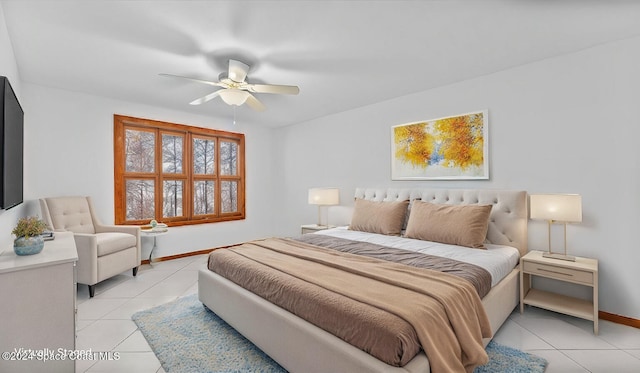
(310,228)
(583,271)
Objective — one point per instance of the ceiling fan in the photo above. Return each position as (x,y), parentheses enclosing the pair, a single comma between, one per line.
(235,90)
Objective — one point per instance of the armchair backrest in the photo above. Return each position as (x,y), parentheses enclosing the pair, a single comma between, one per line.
(73,214)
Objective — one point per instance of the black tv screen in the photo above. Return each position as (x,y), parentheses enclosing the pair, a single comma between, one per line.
(11,141)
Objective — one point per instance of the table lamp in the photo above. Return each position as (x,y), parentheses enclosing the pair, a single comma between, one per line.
(323,197)
(560,209)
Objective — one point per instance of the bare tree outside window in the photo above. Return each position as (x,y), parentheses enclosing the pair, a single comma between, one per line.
(140,151)
(203,197)
(229,196)
(228,158)
(172,147)
(203,156)
(140,199)
(172,199)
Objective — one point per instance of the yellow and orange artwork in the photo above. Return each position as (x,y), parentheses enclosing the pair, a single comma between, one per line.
(445,148)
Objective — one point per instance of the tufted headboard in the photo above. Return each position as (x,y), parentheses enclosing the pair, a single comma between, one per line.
(508,220)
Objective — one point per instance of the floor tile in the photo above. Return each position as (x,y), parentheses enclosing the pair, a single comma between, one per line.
(563,335)
(139,362)
(605,361)
(131,306)
(559,362)
(101,287)
(134,343)
(621,336)
(104,335)
(81,324)
(84,365)
(635,353)
(174,285)
(192,290)
(513,335)
(98,308)
(175,265)
(198,263)
(136,285)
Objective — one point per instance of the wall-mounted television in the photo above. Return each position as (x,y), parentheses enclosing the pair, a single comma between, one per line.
(11,146)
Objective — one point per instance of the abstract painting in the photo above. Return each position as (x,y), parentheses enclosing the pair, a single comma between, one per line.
(450,148)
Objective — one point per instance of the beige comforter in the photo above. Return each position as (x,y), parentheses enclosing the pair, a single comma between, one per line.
(444,310)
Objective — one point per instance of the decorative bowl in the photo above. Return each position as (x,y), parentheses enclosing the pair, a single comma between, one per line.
(28,246)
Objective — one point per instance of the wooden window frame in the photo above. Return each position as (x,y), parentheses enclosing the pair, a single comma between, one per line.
(121,123)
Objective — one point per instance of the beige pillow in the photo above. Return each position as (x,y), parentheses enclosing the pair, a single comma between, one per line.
(379,217)
(462,225)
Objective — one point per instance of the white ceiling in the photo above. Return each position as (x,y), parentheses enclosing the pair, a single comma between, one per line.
(342,54)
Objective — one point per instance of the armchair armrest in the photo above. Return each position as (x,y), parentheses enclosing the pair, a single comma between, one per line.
(87,247)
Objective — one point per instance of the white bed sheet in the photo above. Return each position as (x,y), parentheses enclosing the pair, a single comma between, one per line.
(498,260)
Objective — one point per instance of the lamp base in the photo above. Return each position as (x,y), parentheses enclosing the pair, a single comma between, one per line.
(568,258)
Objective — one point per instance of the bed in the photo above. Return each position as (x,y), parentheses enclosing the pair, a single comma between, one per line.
(300,346)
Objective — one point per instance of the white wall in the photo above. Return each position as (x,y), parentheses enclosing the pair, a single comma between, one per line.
(563,125)
(8,68)
(70,147)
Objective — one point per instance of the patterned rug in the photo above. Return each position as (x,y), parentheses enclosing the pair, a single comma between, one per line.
(187,337)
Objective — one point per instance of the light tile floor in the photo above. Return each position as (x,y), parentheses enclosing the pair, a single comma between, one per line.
(104,324)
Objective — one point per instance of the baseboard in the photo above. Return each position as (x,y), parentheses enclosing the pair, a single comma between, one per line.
(178,256)
(618,319)
(183,255)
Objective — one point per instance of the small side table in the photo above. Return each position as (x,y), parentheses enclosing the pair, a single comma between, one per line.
(154,232)
(584,271)
(311,228)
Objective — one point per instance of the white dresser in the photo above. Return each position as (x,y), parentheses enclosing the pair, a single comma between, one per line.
(38,307)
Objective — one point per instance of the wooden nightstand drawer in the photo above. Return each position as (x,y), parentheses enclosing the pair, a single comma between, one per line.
(560,273)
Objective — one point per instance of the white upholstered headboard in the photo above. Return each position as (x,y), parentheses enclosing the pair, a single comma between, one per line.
(508,220)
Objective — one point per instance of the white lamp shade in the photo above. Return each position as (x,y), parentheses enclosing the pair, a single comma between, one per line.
(324,196)
(556,207)
(233,96)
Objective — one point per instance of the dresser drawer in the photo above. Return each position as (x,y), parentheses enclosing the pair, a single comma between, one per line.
(559,273)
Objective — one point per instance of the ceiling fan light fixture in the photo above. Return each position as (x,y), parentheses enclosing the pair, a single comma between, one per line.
(235,97)
(234,90)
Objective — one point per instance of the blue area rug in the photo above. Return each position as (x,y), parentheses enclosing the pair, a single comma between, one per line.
(187,337)
(511,360)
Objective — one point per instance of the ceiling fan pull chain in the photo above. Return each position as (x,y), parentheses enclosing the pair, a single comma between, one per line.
(234,115)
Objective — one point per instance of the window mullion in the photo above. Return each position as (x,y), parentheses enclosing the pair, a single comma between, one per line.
(159,192)
(216,169)
(189,171)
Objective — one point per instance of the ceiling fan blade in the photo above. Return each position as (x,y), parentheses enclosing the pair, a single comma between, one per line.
(272,88)
(206,98)
(237,71)
(216,84)
(255,104)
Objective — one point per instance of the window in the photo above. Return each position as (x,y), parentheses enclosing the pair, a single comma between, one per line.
(176,174)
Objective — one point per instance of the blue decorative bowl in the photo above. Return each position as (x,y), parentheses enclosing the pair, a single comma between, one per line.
(28,246)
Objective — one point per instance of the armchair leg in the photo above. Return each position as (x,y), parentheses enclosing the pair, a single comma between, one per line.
(135,271)
(92,291)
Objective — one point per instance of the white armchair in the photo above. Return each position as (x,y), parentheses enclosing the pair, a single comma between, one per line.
(103,250)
